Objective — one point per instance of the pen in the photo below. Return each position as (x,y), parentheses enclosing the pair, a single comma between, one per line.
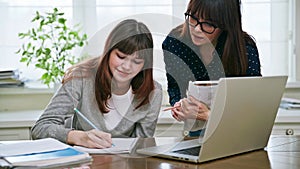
(87,120)
(171,108)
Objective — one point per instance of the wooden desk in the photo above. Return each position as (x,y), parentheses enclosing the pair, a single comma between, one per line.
(283,152)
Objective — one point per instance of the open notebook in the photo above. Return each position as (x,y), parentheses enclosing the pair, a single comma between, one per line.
(121,145)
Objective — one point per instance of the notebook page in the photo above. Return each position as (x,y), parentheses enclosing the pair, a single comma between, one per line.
(121,145)
(30,146)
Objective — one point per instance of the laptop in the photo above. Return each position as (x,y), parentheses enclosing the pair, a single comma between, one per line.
(241,120)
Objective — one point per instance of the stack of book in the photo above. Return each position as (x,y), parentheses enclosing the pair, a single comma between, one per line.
(43,153)
(10,77)
(290,103)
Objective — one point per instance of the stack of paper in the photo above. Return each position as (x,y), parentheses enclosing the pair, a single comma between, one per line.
(120,145)
(9,77)
(290,103)
(203,91)
(43,153)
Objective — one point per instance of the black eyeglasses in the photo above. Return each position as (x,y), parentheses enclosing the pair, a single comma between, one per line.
(205,26)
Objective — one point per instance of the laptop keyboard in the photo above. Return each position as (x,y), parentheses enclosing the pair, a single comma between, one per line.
(190,151)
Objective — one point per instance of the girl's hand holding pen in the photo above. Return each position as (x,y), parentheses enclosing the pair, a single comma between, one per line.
(91,139)
(99,139)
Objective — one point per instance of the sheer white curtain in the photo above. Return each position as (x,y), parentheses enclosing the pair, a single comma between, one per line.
(268,21)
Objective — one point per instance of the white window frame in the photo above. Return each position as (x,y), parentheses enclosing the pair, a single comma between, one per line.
(82,13)
(297,40)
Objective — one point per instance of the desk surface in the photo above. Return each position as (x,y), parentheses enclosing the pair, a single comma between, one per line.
(283,152)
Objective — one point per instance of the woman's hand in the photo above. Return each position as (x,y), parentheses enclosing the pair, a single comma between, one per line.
(190,108)
(91,139)
(177,111)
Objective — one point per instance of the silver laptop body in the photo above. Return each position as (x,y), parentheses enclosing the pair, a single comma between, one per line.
(242,117)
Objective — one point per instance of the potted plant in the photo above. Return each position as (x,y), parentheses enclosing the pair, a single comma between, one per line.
(49,46)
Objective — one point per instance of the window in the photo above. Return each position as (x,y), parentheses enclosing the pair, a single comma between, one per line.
(271,22)
(15,16)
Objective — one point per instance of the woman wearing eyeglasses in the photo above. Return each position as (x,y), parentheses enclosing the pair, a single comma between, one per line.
(209,45)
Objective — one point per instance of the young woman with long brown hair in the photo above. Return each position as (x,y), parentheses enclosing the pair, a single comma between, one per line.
(116,92)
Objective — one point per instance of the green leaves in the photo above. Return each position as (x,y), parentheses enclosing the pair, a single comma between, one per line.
(49,45)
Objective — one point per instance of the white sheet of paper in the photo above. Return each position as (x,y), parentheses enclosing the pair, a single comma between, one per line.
(204,93)
(121,145)
(30,146)
(290,100)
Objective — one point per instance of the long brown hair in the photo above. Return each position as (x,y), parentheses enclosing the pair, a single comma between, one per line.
(129,36)
(226,14)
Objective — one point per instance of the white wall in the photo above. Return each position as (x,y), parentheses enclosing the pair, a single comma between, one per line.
(297,43)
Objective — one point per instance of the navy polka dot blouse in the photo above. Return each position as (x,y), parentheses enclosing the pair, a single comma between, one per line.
(184,65)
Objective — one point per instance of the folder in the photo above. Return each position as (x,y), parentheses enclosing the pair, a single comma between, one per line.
(43,153)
